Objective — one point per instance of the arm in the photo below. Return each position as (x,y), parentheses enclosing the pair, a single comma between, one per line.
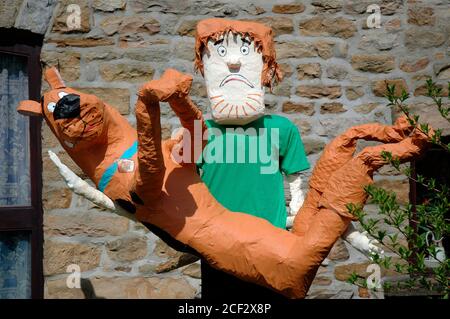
(361,242)
(173,87)
(80,187)
(297,197)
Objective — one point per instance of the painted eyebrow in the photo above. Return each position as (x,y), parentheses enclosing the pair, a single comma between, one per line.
(246,41)
(218,42)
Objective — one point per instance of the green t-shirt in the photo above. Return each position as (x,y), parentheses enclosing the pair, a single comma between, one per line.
(242,165)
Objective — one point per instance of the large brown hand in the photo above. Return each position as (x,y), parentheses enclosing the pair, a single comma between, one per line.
(337,154)
(346,185)
(173,87)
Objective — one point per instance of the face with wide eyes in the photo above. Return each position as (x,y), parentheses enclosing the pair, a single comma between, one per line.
(232,70)
(76,117)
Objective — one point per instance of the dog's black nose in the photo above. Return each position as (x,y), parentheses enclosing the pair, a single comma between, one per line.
(68,107)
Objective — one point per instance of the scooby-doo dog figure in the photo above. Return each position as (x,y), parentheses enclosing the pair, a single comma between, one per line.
(94,134)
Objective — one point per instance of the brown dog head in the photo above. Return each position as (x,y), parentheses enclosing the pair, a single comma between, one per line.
(77,119)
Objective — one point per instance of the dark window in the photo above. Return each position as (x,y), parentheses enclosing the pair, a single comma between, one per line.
(20,168)
(434,164)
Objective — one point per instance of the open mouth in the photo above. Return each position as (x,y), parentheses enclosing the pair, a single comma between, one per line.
(236,77)
(90,130)
(90,127)
(86,132)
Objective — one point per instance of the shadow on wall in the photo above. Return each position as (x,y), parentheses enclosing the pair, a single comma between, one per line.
(88,289)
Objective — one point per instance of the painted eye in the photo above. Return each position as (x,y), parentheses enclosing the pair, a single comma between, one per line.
(51,107)
(245,49)
(62,94)
(221,50)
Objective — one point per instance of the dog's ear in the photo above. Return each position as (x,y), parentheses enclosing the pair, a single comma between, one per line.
(30,108)
(53,78)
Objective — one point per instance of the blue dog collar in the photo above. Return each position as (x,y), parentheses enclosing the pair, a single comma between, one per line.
(112,169)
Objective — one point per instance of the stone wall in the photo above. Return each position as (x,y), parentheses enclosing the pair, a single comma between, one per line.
(335,70)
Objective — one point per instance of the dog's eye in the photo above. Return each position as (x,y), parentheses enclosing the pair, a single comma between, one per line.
(51,107)
(62,94)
